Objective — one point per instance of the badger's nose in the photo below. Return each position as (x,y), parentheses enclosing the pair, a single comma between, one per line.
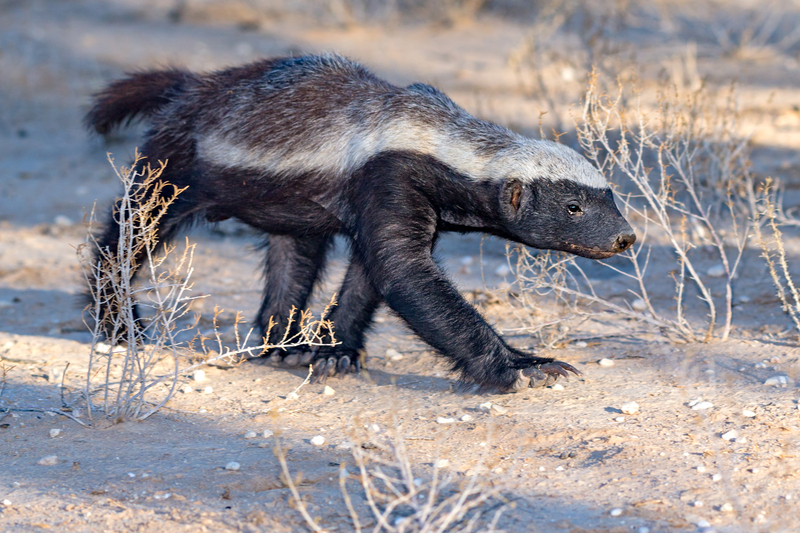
(624,242)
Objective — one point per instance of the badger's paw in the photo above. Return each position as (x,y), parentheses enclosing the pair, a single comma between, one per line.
(544,374)
(328,361)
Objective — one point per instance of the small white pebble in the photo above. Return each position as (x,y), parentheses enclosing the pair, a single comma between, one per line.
(644,529)
(702,406)
(485,407)
(466,418)
(6,502)
(730,435)
(620,419)
(580,344)
(199,375)
(698,503)
(442,463)
(49,460)
(267,434)
(748,414)
(393,355)
(743,299)
(466,260)
(703,523)
(502,271)
(639,305)
(319,440)
(498,470)
(250,435)
(741,440)
(615,512)
(187,389)
(61,220)
(701,469)
(443,420)
(328,391)
(716,271)
(54,433)
(630,408)
(162,496)
(499,409)
(292,396)
(726,508)
(788,497)
(605,362)
(777,381)
(131,474)
(208,390)
(233,465)
(716,477)
(755,470)
(557,386)
(559,468)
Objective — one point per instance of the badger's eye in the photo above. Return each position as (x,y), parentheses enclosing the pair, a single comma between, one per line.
(574,209)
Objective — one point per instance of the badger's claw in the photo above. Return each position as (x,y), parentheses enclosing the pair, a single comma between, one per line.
(544,375)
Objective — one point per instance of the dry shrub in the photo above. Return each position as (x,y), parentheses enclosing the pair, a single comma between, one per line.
(138,365)
(402,497)
(683,175)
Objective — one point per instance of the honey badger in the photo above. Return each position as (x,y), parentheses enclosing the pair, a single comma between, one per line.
(306,148)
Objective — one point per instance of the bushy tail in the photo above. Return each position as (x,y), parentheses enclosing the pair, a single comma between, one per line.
(136,95)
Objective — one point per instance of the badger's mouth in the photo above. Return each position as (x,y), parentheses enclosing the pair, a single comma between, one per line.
(589,253)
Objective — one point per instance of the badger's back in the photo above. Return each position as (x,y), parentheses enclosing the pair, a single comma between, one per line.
(328,114)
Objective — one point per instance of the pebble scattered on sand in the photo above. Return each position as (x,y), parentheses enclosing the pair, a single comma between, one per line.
(466,418)
(485,407)
(557,386)
(442,463)
(701,469)
(716,271)
(639,305)
(208,390)
(199,375)
(502,271)
(187,389)
(445,420)
(697,503)
(393,355)
(748,414)
(319,440)
(499,409)
(63,221)
(250,435)
(6,502)
(615,512)
(328,391)
(716,477)
(466,260)
(54,433)
(267,434)
(777,381)
(620,419)
(730,435)
(702,406)
(630,408)
(726,508)
(49,460)
(233,466)
(292,396)
(606,362)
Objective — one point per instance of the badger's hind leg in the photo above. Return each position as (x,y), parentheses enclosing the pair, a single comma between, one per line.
(292,267)
(351,319)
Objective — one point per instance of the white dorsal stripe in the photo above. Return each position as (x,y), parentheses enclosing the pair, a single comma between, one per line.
(341,150)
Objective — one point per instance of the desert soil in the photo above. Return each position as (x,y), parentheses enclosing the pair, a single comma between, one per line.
(565,456)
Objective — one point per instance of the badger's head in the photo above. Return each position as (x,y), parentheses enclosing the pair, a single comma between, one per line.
(553,198)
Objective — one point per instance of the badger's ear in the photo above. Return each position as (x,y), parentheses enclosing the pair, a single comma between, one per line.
(514,194)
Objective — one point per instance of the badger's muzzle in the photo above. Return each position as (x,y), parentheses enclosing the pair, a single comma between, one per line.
(623,242)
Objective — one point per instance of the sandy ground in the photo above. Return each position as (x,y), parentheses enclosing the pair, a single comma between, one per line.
(564,457)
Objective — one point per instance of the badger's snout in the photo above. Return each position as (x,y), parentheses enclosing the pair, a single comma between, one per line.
(623,242)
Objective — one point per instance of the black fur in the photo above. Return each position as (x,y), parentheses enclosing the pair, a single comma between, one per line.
(390,205)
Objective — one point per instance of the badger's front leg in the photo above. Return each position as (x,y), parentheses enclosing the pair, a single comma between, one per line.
(394,240)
